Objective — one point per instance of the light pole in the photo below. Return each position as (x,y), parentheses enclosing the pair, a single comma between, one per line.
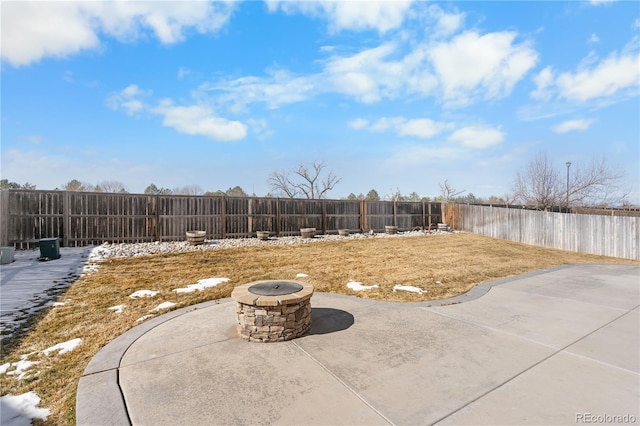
(568,164)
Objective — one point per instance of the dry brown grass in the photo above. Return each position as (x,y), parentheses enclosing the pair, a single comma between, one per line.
(444,266)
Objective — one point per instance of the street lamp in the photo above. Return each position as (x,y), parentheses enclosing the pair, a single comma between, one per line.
(568,164)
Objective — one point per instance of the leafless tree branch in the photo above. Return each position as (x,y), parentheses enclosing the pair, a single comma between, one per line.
(304,180)
(449,192)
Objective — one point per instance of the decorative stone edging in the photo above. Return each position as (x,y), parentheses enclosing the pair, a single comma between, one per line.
(272,318)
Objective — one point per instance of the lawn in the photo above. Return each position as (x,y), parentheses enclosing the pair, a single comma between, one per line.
(441,265)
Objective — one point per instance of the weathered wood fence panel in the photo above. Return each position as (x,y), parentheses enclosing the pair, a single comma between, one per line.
(84,218)
(615,236)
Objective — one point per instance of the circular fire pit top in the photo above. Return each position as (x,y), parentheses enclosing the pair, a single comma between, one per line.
(275,288)
(265,293)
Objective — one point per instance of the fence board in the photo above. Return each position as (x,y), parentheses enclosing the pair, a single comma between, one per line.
(615,236)
(84,218)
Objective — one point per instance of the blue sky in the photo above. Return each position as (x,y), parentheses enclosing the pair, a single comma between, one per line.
(390,95)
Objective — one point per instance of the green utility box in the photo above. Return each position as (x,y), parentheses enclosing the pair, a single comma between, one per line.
(49,249)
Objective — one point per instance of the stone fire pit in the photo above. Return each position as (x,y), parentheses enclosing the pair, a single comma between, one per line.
(273,311)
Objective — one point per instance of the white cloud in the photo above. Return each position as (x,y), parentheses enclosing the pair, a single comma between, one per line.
(571,125)
(199,120)
(387,123)
(418,127)
(191,120)
(35,30)
(544,81)
(278,88)
(445,23)
(426,154)
(260,127)
(469,68)
(357,15)
(594,38)
(358,123)
(615,73)
(364,75)
(129,100)
(421,127)
(601,2)
(183,72)
(473,65)
(477,137)
(32,30)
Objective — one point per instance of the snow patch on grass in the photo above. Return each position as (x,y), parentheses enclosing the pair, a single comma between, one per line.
(143,293)
(18,410)
(201,285)
(408,288)
(165,305)
(144,318)
(63,347)
(357,286)
(117,309)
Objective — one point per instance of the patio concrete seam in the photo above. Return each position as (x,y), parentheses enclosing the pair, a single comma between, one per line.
(564,298)
(519,336)
(531,367)
(343,383)
(172,353)
(568,352)
(124,400)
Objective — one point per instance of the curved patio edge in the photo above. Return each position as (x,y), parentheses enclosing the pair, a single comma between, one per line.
(99,398)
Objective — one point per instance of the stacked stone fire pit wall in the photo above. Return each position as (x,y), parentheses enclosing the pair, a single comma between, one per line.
(272,318)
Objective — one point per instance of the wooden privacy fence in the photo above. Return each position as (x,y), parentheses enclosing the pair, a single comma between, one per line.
(85,218)
(615,236)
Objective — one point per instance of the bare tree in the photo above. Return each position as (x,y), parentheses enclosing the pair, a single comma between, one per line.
(448,191)
(111,186)
(542,186)
(188,190)
(596,184)
(304,181)
(538,184)
(76,185)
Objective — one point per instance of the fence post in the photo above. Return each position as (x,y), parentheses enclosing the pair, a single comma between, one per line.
(223,217)
(4,217)
(278,217)
(363,215)
(395,213)
(324,217)
(156,231)
(66,221)
(250,217)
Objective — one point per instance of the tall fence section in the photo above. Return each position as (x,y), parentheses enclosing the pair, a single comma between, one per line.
(85,218)
(615,236)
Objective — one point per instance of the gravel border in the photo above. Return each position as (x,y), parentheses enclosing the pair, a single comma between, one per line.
(123,250)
